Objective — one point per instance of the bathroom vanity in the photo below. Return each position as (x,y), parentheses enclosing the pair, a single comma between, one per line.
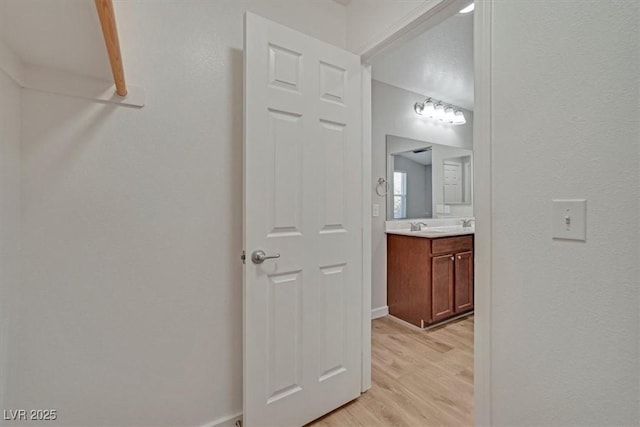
(430,269)
(429,274)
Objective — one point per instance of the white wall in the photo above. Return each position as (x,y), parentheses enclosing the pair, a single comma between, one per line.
(565,315)
(9,220)
(130,311)
(438,62)
(393,114)
(10,63)
(2,19)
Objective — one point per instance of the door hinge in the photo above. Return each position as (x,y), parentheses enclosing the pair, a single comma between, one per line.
(243,257)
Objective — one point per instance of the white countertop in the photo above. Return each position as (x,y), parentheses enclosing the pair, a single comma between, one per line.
(430,233)
(439,227)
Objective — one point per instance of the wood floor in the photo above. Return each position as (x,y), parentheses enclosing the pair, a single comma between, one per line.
(419,378)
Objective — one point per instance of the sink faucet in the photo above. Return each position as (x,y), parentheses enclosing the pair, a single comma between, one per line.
(467,222)
(417,226)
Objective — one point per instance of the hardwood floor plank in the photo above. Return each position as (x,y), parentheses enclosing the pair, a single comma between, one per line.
(419,378)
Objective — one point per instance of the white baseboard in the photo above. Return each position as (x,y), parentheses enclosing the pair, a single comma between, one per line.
(229,421)
(376,313)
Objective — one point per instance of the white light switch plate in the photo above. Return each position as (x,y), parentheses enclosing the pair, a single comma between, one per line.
(376,209)
(570,219)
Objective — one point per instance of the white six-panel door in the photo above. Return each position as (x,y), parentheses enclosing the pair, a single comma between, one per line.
(452,182)
(302,200)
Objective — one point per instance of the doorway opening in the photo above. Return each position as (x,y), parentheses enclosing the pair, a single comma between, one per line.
(426,164)
(419,88)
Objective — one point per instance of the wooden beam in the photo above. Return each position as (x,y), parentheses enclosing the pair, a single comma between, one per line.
(110,32)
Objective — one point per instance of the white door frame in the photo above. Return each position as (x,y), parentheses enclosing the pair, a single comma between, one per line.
(427,16)
(366,228)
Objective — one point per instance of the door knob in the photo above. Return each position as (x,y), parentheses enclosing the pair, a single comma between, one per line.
(259,256)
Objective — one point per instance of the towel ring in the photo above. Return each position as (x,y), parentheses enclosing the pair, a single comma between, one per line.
(380,190)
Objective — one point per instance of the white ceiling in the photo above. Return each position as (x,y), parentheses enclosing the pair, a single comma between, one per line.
(344,2)
(438,63)
(61,34)
(424,157)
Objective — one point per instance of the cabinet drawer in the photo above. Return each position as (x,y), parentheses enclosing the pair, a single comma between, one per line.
(446,245)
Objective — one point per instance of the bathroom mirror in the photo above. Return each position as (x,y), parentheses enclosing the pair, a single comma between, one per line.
(428,180)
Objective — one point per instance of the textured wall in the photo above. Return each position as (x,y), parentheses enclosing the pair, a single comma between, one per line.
(131,306)
(9,220)
(438,62)
(565,125)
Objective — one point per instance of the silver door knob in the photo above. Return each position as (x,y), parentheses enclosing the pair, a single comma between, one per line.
(259,256)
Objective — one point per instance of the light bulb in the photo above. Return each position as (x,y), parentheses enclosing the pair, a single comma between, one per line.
(459,118)
(449,115)
(419,107)
(439,113)
(468,8)
(429,110)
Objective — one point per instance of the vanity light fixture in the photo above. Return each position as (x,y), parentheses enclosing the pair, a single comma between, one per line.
(436,110)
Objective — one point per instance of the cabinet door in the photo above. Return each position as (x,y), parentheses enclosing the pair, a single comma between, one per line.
(464,281)
(442,287)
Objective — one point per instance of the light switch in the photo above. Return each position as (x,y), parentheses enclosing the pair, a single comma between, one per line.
(447,209)
(570,219)
(376,209)
(439,208)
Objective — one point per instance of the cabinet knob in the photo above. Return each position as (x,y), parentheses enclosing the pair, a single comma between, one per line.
(452,258)
(459,257)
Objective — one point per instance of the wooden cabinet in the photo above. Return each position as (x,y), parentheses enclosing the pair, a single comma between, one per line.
(429,280)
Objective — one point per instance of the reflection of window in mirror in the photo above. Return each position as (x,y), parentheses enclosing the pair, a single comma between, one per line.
(399,195)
